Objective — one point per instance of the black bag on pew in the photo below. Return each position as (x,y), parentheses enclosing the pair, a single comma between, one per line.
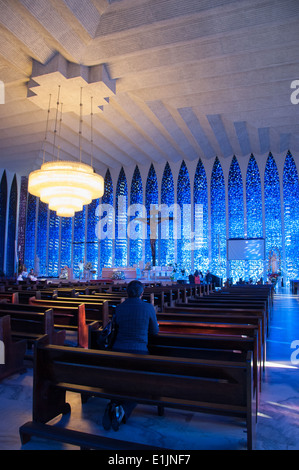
(107,336)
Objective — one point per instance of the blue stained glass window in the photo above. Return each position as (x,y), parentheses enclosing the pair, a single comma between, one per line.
(254,200)
(218,221)
(92,242)
(291,217)
(11,229)
(235,215)
(136,232)
(201,249)
(272,215)
(53,245)
(106,244)
(29,258)
(66,242)
(3,204)
(41,240)
(254,215)
(79,240)
(151,197)
(121,241)
(184,244)
(167,242)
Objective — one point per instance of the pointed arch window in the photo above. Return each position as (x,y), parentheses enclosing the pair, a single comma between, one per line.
(11,229)
(3,205)
(201,249)
(184,245)
(291,217)
(29,259)
(272,216)
(106,242)
(79,240)
(218,221)
(136,235)
(167,243)
(92,242)
(121,241)
(53,244)
(235,216)
(151,202)
(66,242)
(254,215)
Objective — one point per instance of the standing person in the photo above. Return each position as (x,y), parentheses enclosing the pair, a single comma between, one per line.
(196,277)
(81,268)
(208,277)
(135,322)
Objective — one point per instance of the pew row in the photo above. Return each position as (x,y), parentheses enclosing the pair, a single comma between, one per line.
(215,387)
(31,326)
(70,318)
(12,352)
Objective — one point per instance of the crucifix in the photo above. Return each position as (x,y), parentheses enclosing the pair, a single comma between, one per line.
(152,221)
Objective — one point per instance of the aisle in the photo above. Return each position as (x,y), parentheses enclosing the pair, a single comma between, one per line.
(279,409)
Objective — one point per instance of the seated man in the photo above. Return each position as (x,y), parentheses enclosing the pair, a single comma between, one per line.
(135,322)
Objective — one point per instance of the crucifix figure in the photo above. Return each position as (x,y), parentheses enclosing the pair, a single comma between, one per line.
(152,221)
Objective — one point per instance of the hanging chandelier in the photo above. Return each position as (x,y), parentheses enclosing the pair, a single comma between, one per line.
(66,186)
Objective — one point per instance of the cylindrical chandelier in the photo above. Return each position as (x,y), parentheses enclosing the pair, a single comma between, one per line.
(66,186)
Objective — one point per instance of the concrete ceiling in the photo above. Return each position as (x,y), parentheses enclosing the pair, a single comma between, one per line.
(169,80)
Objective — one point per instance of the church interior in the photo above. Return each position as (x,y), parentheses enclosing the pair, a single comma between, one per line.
(158,141)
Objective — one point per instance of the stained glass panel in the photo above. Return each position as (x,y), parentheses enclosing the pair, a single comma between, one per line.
(79,240)
(29,259)
(272,216)
(106,243)
(41,240)
(184,245)
(11,229)
(92,242)
(291,217)
(151,202)
(254,215)
(136,229)
(53,247)
(3,205)
(201,249)
(66,242)
(167,241)
(121,241)
(235,216)
(218,221)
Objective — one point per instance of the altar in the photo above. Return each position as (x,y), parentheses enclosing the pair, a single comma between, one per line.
(120,272)
(127,274)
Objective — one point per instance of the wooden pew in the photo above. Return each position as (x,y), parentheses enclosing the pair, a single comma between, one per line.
(71,318)
(9,297)
(96,310)
(31,326)
(13,351)
(259,313)
(199,385)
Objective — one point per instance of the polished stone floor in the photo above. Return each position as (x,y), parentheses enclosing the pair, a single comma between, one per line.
(278,420)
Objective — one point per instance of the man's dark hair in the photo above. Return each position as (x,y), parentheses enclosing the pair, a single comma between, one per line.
(134,289)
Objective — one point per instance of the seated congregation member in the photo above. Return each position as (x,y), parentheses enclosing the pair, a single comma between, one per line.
(135,322)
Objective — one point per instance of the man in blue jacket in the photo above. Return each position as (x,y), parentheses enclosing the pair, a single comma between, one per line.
(135,322)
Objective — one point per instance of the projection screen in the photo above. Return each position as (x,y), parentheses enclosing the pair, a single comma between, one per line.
(246,249)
